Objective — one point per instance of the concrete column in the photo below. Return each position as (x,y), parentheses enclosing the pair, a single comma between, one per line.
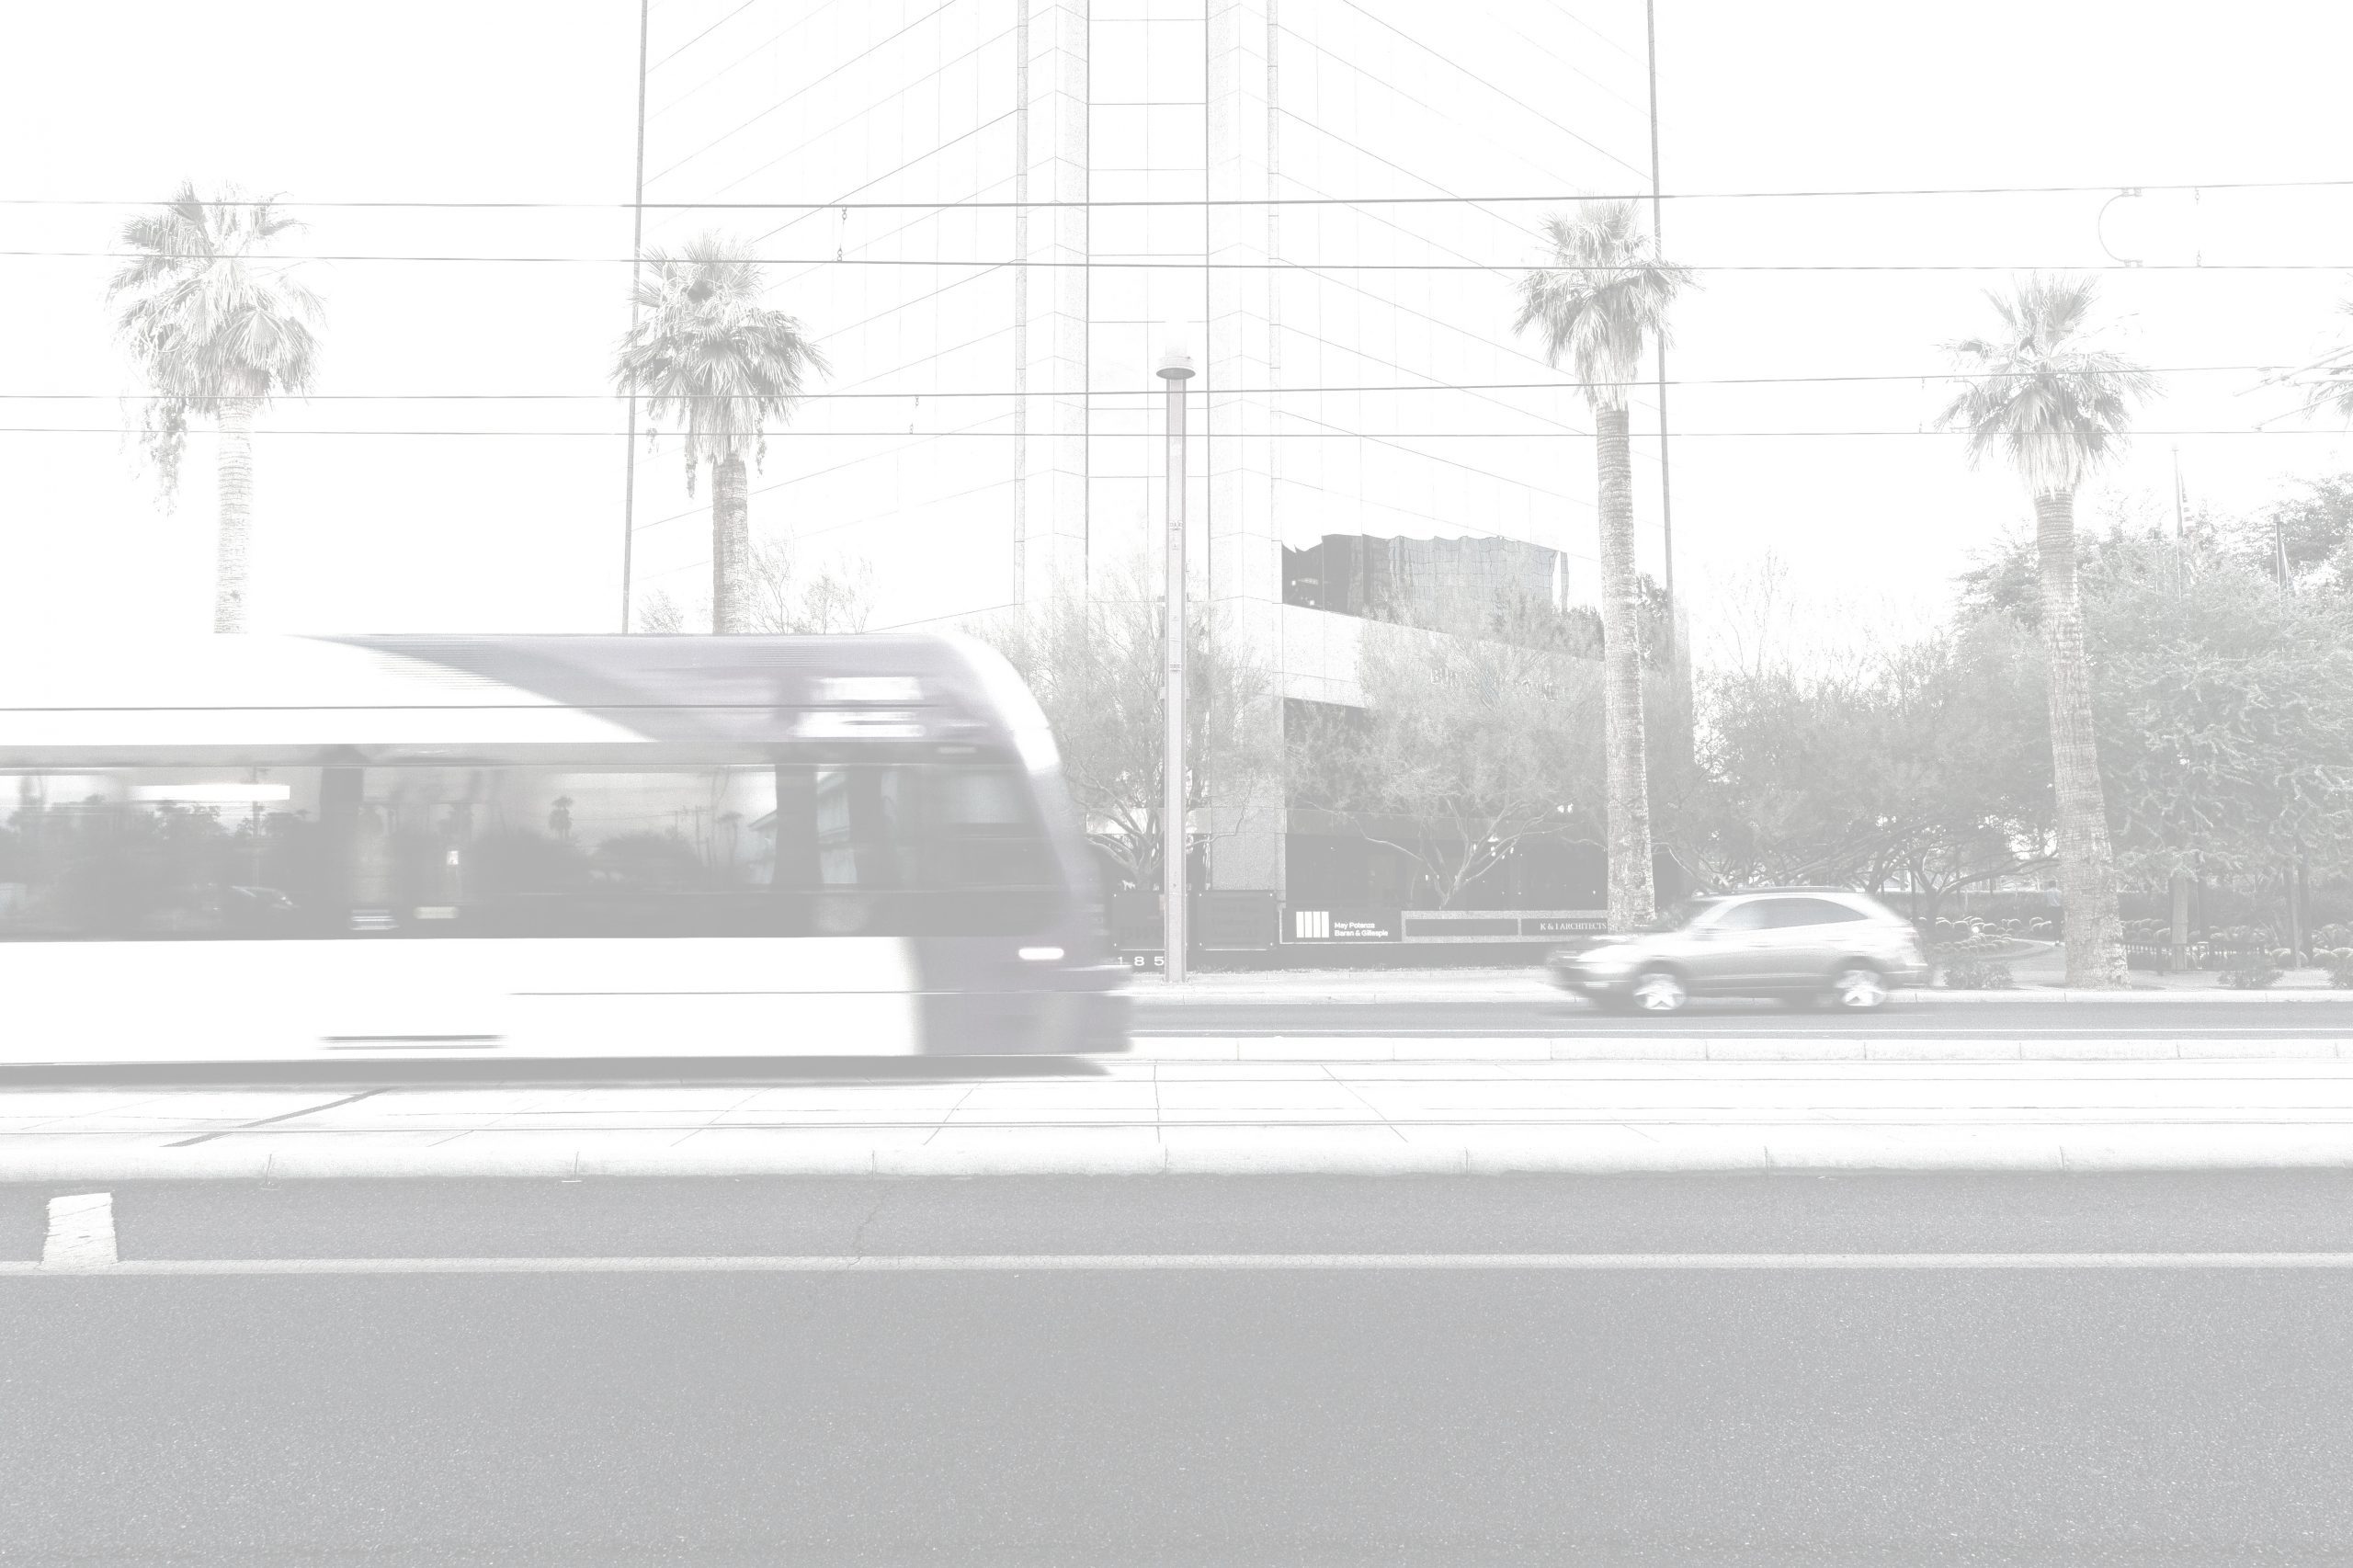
(1049,299)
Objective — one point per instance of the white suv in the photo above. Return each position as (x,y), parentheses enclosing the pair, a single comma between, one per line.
(1800,944)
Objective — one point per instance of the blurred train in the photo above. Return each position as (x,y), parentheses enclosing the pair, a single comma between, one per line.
(246,849)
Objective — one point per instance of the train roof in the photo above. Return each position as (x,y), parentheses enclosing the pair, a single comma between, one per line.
(391,689)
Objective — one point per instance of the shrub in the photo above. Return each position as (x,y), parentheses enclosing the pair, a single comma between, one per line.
(2248,977)
(2340,971)
(1979,976)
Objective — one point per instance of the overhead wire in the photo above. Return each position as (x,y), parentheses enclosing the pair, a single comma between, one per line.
(1860,193)
(1156,396)
(1180,265)
(788,433)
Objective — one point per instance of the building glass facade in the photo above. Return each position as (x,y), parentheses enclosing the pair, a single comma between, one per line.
(1313,188)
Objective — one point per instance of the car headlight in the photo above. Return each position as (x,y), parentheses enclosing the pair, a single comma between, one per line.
(1609,961)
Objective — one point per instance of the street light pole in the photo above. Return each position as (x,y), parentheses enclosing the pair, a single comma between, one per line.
(1176,367)
(2177,958)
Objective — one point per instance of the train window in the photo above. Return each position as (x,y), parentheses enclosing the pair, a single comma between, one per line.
(740,850)
(192,852)
(983,830)
(446,851)
(548,851)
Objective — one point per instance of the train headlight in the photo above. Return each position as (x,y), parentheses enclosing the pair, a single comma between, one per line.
(1042,955)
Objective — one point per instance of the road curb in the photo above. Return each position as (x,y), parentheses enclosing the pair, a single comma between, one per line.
(1520,989)
(1602,1150)
(1269,1049)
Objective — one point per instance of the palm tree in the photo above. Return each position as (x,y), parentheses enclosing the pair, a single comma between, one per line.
(2041,395)
(2327,382)
(706,349)
(1602,302)
(217,333)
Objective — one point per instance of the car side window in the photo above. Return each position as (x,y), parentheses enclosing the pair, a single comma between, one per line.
(1788,912)
(1751,917)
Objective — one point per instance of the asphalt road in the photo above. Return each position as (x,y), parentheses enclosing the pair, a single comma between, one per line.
(1912,1013)
(1826,1415)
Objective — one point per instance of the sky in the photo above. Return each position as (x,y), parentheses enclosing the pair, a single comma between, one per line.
(534,101)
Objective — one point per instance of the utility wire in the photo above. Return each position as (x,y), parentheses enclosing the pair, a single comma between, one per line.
(1335,435)
(2110,189)
(1298,267)
(1153,399)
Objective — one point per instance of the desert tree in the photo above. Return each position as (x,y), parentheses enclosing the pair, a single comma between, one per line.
(217,328)
(2040,395)
(1600,303)
(710,354)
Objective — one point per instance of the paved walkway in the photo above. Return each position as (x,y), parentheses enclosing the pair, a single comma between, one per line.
(1166,1116)
(1983,1040)
(1421,985)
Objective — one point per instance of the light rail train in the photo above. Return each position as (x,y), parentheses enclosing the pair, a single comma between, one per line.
(250,849)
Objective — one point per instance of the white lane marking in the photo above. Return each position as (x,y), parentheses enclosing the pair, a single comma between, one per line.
(1011,1263)
(81,1232)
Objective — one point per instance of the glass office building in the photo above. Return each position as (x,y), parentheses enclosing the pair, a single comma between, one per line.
(988,210)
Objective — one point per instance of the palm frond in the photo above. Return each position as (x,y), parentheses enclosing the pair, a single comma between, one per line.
(2326,383)
(2040,395)
(1603,297)
(707,354)
(204,316)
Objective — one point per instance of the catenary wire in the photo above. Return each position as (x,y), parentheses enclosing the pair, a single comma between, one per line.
(789,434)
(1156,395)
(1298,267)
(2109,189)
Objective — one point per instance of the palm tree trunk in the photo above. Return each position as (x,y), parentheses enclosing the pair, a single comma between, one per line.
(233,544)
(731,548)
(2087,866)
(1632,902)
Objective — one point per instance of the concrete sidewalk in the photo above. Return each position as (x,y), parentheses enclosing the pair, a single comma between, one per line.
(1735,1045)
(1530,984)
(1167,1117)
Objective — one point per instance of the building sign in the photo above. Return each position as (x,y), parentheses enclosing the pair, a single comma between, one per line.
(1342,926)
(1417,926)
(1572,923)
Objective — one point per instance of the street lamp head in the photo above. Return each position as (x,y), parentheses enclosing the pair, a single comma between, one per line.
(1176,363)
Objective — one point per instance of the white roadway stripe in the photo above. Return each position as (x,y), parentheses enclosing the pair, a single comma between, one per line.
(81,1232)
(1072,1263)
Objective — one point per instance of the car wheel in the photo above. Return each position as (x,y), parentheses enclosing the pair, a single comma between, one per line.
(1857,988)
(1659,991)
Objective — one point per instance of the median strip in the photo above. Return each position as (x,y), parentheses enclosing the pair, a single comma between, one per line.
(1069,1263)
